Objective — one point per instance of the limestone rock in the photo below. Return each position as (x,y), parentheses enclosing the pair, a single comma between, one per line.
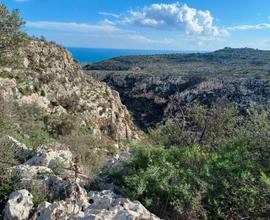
(8,89)
(103,205)
(27,173)
(65,85)
(53,81)
(46,157)
(19,205)
(73,201)
(57,210)
(108,205)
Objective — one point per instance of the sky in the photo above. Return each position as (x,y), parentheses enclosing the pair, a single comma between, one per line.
(147,24)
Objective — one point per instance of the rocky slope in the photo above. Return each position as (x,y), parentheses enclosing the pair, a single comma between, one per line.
(62,191)
(49,77)
(40,181)
(155,95)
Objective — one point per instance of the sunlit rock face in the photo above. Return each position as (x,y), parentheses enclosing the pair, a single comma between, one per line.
(50,78)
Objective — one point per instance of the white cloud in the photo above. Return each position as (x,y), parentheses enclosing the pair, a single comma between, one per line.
(104,26)
(250,27)
(107,22)
(109,14)
(175,17)
(142,39)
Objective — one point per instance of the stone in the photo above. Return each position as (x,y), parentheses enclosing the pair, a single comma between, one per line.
(108,205)
(36,99)
(27,173)
(57,210)
(46,157)
(104,205)
(19,205)
(116,163)
(26,62)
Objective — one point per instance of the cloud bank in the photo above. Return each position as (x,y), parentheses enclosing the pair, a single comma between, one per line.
(250,27)
(177,17)
(103,26)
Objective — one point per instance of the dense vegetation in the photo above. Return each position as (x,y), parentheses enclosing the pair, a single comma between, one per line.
(213,165)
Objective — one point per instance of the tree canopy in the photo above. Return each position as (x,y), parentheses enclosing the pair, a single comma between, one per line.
(11,35)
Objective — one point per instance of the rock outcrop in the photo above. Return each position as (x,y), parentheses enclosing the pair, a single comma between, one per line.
(49,78)
(64,195)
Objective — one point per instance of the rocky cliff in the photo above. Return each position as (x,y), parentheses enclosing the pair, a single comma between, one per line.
(49,77)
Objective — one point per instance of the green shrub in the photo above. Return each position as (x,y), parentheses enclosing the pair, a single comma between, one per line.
(223,174)
(8,183)
(201,125)
(57,166)
(177,183)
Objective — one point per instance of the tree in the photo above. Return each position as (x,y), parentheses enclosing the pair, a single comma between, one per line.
(11,35)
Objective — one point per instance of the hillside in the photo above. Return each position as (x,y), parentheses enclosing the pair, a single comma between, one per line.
(49,77)
(156,88)
(69,148)
(56,127)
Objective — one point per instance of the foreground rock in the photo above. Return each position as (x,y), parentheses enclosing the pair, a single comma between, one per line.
(72,201)
(108,205)
(19,205)
(102,205)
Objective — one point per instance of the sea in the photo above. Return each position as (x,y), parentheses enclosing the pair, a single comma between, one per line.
(89,55)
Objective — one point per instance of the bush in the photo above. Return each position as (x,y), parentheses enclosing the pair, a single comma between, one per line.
(200,125)
(193,183)
(8,183)
(224,175)
(57,166)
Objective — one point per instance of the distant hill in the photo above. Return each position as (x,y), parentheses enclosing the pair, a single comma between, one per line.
(228,61)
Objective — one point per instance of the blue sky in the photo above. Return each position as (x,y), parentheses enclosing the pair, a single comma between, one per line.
(147,24)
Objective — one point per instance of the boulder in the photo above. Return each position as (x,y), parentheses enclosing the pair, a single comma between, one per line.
(19,205)
(104,205)
(108,205)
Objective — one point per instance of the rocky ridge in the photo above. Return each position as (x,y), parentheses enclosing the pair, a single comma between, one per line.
(49,78)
